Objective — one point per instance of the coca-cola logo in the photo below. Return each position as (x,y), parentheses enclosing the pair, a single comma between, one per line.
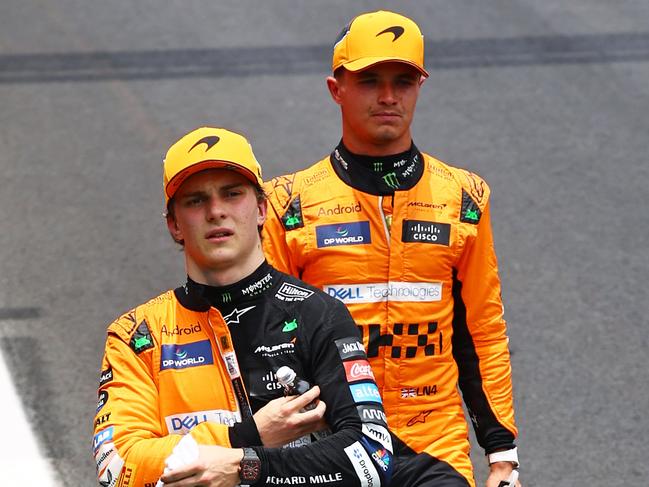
(358,370)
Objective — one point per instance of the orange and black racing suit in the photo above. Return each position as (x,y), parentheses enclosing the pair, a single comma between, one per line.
(201,360)
(408,248)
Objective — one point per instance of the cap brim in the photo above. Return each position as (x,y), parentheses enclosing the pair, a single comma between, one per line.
(366,62)
(178,179)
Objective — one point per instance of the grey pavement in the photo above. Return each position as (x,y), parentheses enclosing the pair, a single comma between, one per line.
(548,101)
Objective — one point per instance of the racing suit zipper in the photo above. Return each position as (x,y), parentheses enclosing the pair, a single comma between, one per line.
(224,346)
(385,209)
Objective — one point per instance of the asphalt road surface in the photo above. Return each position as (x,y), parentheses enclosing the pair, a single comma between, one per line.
(549,101)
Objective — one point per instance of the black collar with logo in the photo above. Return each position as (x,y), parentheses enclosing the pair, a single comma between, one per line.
(378,175)
(199,297)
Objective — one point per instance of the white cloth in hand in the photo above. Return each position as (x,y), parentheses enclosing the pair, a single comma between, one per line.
(185,452)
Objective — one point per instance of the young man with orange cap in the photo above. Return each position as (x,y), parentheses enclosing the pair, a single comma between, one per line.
(188,393)
(405,241)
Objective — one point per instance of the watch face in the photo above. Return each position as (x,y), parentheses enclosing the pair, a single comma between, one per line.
(249,470)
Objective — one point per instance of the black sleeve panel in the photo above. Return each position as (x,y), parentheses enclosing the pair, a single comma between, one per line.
(347,457)
(244,434)
(490,433)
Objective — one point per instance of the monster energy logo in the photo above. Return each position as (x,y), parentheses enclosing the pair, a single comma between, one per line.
(391,180)
(378,166)
(226,297)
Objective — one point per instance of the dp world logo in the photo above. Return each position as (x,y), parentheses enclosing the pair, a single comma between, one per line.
(353,233)
(187,355)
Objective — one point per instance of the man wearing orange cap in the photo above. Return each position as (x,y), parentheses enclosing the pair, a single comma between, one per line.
(188,394)
(405,241)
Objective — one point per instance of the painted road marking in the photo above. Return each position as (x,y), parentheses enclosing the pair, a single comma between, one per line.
(21,458)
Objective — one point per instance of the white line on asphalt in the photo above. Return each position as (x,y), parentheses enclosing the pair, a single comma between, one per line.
(21,459)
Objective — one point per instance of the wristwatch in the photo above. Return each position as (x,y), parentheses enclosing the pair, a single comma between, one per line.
(510,456)
(250,464)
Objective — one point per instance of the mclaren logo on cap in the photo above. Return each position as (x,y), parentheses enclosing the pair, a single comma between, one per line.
(209,141)
(342,34)
(397,30)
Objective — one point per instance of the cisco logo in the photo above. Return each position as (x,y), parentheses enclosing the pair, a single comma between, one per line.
(418,231)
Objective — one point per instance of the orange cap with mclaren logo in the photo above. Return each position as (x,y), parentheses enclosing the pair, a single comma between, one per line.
(208,148)
(376,37)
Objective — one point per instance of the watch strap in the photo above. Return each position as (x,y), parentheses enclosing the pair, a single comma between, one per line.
(250,467)
(510,456)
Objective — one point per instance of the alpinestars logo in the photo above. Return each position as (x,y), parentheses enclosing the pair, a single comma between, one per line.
(420,418)
(233,318)
(396,30)
(210,141)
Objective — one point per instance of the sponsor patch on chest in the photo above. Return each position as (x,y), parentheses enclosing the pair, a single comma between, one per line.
(352,233)
(421,231)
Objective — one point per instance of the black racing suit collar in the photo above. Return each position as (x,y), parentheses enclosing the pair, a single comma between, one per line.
(378,175)
(199,297)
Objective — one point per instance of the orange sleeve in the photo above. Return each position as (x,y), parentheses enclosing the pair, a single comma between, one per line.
(487,387)
(130,440)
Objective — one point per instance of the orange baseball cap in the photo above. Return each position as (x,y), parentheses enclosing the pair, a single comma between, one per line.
(377,37)
(208,148)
